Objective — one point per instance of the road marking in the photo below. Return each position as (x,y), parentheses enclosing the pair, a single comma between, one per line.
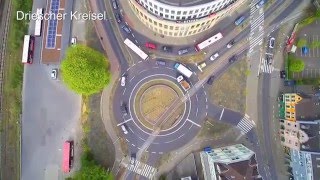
(221,114)
(124,91)
(133,145)
(132,35)
(153,152)
(193,123)
(127,140)
(124,122)
(197,111)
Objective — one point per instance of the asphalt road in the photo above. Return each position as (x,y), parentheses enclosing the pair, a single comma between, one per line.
(136,135)
(50,114)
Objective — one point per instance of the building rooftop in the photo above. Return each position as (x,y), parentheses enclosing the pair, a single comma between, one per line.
(308,108)
(247,169)
(305,165)
(312,129)
(184,3)
(315,164)
(52,34)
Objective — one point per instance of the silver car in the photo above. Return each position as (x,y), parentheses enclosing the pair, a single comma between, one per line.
(183,51)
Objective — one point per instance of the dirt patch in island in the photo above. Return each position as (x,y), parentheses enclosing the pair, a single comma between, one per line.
(229,90)
(213,129)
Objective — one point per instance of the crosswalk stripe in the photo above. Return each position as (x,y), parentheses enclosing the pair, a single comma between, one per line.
(142,169)
(245,125)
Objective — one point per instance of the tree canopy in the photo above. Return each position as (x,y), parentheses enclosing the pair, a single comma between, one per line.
(302,42)
(296,65)
(84,70)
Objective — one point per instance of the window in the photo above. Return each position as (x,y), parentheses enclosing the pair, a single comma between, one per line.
(160,25)
(179,12)
(166,26)
(184,12)
(155,6)
(161,14)
(197,11)
(190,12)
(172,17)
(156,12)
(161,9)
(171,27)
(150,3)
(166,16)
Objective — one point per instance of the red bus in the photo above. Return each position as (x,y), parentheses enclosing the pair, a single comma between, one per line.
(208,42)
(67,156)
(28,49)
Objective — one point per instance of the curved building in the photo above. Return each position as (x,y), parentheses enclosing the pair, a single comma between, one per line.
(180,18)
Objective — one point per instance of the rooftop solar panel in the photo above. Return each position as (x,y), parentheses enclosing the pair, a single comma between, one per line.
(52,25)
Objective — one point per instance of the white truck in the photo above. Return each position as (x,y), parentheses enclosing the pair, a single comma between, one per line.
(183,70)
(184,84)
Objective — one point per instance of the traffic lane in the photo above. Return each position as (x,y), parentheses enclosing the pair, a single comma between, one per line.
(179,141)
(266,116)
(113,40)
(288,10)
(50,114)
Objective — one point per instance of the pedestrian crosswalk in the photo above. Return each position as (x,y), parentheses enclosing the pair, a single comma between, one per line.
(141,169)
(266,67)
(256,30)
(245,124)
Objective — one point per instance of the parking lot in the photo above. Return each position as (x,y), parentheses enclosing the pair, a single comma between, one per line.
(311,58)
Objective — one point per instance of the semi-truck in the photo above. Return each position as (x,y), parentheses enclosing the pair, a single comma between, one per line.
(183,70)
(184,84)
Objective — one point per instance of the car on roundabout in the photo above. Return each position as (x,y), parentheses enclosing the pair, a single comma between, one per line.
(214,56)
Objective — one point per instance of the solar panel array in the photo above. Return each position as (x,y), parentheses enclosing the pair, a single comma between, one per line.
(52,26)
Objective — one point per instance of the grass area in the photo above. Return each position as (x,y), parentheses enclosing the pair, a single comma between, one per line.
(174,116)
(156,100)
(196,58)
(231,95)
(11,104)
(91,166)
(213,129)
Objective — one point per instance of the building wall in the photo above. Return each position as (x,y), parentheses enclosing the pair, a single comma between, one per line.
(181,21)
(291,99)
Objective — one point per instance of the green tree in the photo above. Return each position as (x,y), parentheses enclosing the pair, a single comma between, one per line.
(318,13)
(302,42)
(296,65)
(85,70)
(91,170)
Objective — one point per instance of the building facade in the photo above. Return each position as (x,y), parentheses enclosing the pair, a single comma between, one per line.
(175,19)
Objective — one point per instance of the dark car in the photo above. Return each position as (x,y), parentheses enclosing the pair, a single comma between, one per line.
(167,48)
(126,29)
(210,80)
(118,17)
(233,59)
(269,59)
(282,74)
(230,44)
(124,108)
(161,62)
(133,158)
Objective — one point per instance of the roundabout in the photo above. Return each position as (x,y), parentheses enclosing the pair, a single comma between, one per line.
(150,94)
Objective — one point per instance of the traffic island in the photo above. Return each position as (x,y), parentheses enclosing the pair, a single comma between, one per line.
(153,100)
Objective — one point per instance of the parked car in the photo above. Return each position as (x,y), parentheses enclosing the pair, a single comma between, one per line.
(210,80)
(161,62)
(201,65)
(118,17)
(114,4)
(282,74)
(167,48)
(150,45)
(260,4)
(124,129)
(233,59)
(268,59)
(214,56)
(124,108)
(230,44)
(271,42)
(123,80)
(54,73)
(126,29)
(183,51)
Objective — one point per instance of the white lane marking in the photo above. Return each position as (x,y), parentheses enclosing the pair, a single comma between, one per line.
(160,152)
(132,35)
(197,111)
(133,145)
(124,122)
(221,114)
(127,140)
(193,123)
(139,62)
(124,91)
(153,152)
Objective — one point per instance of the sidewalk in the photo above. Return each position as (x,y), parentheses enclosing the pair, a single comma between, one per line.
(106,101)
(134,23)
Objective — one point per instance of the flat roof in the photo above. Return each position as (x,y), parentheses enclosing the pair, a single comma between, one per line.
(308,108)
(52,54)
(185,3)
